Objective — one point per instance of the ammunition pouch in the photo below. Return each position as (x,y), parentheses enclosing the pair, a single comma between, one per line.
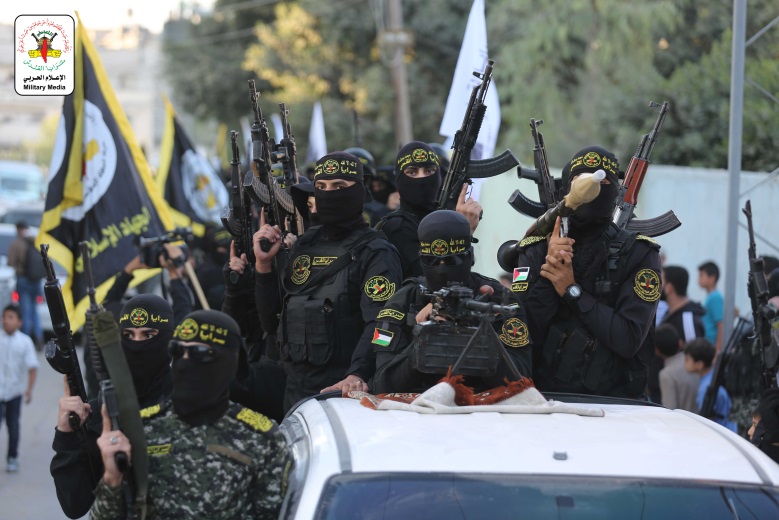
(438,345)
(309,330)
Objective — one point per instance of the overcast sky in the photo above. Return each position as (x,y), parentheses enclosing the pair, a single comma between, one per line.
(99,14)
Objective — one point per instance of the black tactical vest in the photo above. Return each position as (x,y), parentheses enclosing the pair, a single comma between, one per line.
(572,359)
(321,323)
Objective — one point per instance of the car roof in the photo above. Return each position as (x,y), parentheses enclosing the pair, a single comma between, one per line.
(629,441)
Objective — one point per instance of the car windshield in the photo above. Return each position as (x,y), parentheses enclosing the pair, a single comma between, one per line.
(498,497)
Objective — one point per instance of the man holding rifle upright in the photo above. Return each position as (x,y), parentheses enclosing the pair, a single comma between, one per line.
(590,308)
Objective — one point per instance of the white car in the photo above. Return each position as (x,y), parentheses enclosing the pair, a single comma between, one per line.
(638,461)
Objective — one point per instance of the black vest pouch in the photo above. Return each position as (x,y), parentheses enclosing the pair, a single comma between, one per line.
(320,330)
(599,370)
(293,345)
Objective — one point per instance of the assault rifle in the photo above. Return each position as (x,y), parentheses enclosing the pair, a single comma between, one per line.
(762,312)
(718,370)
(285,153)
(61,352)
(455,342)
(548,186)
(461,167)
(107,395)
(262,146)
(631,185)
(236,218)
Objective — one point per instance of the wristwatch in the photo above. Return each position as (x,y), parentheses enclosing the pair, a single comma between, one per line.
(572,293)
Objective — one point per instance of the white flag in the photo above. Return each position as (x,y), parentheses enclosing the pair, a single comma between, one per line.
(278,128)
(473,58)
(246,128)
(317,142)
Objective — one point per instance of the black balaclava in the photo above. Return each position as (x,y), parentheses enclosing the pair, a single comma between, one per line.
(300,193)
(445,235)
(340,211)
(201,390)
(148,360)
(596,214)
(419,194)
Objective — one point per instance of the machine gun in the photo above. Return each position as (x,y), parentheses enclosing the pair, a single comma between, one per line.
(107,395)
(236,218)
(152,247)
(762,312)
(548,186)
(631,185)
(61,352)
(461,167)
(455,342)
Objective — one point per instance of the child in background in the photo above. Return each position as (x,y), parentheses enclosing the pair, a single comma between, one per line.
(698,357)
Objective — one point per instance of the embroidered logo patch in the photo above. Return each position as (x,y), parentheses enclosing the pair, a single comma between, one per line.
(187,330)
(157,451)
(514,333)
(519,287)
(379,289)
(330,167)
(151,411)
(520,274)
(323,260)
(139,317)
(256,420)
(382,337)
(301,269)
(647,285)
(591,159)
(419,155)
(439,247)
(391,313)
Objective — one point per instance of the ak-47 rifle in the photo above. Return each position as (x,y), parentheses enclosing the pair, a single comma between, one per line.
(548,186)
(762,312)
(61,352)
(236,218)
(262,146)
(461,167)
(285,153)
(631,185)
(107,394)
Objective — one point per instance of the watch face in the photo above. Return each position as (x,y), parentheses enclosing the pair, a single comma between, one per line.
(575,291)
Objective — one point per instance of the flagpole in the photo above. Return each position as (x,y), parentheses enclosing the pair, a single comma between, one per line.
(398,40)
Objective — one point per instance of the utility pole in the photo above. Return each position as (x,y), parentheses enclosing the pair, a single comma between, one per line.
(396,41)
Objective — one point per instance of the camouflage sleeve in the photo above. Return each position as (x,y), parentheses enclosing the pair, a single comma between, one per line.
(108,503)
(270,484)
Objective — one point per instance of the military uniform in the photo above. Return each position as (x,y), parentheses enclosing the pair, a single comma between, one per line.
(400,228)
(236,467)
(392,342)
(322,320)
(602,343)
(77,466)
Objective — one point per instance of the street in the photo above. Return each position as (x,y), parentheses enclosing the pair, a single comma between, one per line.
(29,493)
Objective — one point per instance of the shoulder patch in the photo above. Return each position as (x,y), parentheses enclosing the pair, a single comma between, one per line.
(530,240)
(514,333)
(647,285)
(646,239)
(301,269)
(382,337)
(379,288)
(255,420)
(158,450)
(151,411)
(391,313)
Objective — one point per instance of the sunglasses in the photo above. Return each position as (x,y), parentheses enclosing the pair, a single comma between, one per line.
(198,353)
(450,260)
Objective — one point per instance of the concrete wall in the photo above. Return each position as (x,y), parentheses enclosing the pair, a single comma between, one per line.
(698,196)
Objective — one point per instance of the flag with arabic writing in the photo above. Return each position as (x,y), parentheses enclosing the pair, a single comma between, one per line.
(190,185)
(100,188)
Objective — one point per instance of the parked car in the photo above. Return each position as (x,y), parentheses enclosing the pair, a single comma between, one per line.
(8,292)
(31,213)
(638,461)
(20,182)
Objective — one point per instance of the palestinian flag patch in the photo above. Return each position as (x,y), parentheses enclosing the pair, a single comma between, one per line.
(382,337)
(520,274)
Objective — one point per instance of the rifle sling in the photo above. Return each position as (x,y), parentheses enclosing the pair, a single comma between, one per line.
(107,338)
